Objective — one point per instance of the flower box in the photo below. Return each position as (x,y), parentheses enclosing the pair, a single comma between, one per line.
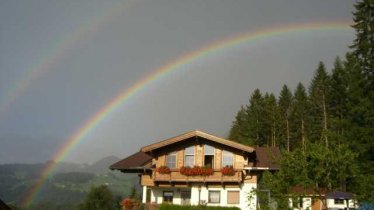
(163,170)
(196,171)
(228,171)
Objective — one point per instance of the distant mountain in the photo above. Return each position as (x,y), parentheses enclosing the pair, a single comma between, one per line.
(99,167)
(65,167)
(102,166)
(67,185)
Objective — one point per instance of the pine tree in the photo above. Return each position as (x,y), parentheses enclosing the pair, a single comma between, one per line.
(271,118)
(255,113)
(299,117)
(285,109)
(362,113)
(338,94)
(360,122)
(239,130)
(318,94)
(363,45)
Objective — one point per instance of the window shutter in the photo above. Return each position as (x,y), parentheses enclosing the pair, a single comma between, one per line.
(233,197)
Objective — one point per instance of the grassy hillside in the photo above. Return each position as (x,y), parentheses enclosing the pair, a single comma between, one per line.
(66,187)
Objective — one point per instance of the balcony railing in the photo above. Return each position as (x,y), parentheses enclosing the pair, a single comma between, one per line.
(217,176)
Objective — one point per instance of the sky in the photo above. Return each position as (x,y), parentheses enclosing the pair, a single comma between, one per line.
(61,62)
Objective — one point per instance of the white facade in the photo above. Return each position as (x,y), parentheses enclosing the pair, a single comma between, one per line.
(247,199)
(332,204)
(304,204)
(335,204)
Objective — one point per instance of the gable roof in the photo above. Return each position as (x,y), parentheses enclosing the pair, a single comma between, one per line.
(339,195)
(307,191)
(196,133)
(137,161)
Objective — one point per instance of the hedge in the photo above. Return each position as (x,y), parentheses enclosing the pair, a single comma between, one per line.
(165,206)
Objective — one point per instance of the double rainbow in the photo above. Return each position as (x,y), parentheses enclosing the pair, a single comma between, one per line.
(94,121)
(58,50)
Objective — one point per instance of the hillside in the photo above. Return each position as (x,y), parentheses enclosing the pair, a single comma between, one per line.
(69,179)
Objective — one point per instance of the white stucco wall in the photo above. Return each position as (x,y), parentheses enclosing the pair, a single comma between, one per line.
(331,204)
(194,195)
(246,200)
(157,195)
(306,202)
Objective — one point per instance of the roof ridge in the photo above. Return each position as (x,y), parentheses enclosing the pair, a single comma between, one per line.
(199,133)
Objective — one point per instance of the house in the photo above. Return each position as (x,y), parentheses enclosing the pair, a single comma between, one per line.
(199,168)
(340,201)
(307,199)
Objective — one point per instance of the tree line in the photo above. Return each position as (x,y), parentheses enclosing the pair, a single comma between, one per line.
(324,126)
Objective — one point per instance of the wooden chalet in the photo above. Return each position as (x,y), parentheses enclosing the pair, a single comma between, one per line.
(199,168)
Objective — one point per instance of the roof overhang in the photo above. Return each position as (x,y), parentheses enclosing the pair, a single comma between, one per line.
(136,163)
(135,170)
(259,168)
(197,133)
(339,195)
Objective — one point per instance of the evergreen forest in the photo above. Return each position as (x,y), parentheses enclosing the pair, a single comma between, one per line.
(325,129)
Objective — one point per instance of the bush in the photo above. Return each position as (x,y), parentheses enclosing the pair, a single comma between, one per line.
(366,206)
(99,198)
(165,206)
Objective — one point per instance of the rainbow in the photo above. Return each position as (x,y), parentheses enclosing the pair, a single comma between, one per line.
(58,50)
(92,123)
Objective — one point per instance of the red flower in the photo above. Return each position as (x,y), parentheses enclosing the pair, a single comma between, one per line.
(228,171)
(128,203)
(163,170)
(196,171)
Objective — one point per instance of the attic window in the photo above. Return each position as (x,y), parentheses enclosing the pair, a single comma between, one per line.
(227,158)
(189,156)
(171,160)
(208,156)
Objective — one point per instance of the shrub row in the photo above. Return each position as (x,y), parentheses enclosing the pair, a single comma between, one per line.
(165,206)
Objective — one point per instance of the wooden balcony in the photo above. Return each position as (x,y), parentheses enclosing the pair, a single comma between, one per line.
(217,176)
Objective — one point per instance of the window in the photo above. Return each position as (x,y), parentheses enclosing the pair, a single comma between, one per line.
(168,196)
(338,201)
(189,156)
(149,192)
(186,197)
(227,158)
(214,197)
(232,197)
(171,160)
(208,156)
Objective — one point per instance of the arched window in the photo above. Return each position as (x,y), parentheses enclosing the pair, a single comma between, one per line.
(189,156)
(227,158)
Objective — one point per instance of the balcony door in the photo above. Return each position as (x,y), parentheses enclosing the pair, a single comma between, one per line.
(186,197)
(208,156)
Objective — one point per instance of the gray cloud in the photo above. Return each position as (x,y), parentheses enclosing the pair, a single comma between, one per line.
(142,37)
